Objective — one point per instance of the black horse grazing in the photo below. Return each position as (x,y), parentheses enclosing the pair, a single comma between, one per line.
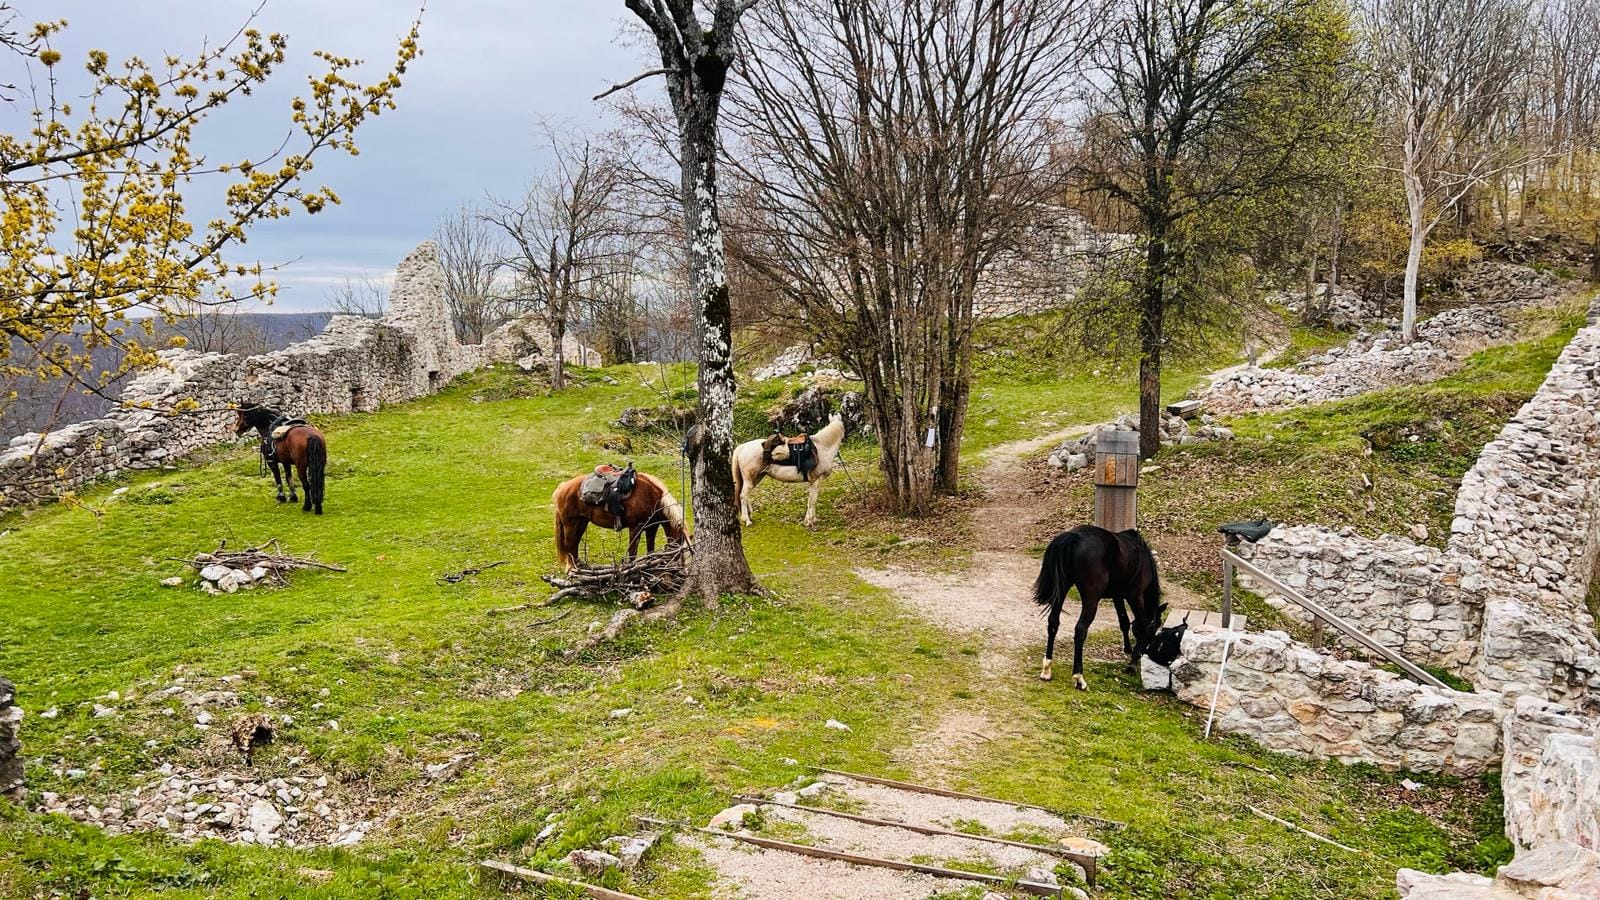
(292,444)
(1101,564)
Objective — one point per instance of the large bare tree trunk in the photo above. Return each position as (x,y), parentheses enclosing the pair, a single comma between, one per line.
(1152,316)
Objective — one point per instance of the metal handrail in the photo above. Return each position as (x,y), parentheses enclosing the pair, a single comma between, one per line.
(1231,560)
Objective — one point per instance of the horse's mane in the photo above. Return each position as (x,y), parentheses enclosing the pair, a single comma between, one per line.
(832,434)
(668,504)
(1144,560)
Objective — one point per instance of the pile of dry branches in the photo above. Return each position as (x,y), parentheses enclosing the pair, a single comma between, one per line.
(639,580)
(268,556)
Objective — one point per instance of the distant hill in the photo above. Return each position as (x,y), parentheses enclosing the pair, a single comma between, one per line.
(36,406)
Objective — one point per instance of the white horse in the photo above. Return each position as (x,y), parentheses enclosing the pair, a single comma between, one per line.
(750,466)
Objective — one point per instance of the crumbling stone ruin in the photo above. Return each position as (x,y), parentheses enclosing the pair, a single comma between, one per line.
(1502,605)
(1379,359)
(356,364)
(1076,453)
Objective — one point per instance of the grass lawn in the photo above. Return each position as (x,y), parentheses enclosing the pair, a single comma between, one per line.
(415,672)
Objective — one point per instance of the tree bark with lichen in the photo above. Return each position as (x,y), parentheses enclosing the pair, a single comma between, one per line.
(695,59)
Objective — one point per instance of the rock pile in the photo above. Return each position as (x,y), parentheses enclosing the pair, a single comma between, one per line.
(1293,699)
(11,784)
(1342,308)
(1077,453)
(220,579)
(809,410)
(798,358)
(1378,359)
(303,809)
(1494,283)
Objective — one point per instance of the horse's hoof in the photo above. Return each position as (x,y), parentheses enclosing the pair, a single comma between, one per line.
(1045,676)
(1078,681)
(282,499)
(319,510)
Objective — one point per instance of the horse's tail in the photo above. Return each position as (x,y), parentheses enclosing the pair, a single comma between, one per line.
(316,467)
(1055,572)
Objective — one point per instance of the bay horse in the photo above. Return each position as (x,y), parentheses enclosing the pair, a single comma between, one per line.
(647,508)
(1100,563)
(751,463)
(300,445)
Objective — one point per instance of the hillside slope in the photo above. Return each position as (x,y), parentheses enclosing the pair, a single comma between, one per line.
(384,670)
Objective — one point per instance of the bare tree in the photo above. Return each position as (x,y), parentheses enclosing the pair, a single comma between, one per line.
(695,59)
(1208,112)
(896,151)
(212,327)
(1447,70)
(561,237)
(366,296)
(470,253)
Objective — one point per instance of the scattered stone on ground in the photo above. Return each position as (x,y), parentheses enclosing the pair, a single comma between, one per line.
(1078,452)
(592,863)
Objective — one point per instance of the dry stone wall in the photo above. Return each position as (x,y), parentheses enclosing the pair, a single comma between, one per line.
(1551,775)
(1293,699)
(1528,514)
(1504,604)
(355,364)
(1411,598)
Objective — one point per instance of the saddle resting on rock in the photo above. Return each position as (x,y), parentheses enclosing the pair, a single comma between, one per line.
(608,488)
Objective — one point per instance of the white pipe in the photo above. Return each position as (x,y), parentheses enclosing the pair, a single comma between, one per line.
(1227,642)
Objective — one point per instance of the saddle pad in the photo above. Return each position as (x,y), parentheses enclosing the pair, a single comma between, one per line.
(281,430)
(593,489)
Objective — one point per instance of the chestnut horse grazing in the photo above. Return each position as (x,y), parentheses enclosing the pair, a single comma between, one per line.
(647,507)
(288,442)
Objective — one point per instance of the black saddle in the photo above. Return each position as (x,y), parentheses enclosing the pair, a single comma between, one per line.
(609,488)
(1250,531)
(279,425)
(799,451)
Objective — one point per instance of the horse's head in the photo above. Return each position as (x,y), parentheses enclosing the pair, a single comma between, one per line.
(249,416)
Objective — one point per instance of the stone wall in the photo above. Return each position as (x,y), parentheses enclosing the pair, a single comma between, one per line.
(1504,604)
(1551,775)
(1407,597)
(355,364)
(1528,514)
(10,744)
(1293,699)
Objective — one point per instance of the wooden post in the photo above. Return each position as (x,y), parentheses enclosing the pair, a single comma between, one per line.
(1227,593)
(1116,480)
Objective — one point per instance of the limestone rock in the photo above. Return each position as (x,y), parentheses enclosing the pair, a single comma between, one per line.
(733,816)
(592,863)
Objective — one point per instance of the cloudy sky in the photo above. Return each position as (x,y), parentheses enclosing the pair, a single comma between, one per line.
(465,127)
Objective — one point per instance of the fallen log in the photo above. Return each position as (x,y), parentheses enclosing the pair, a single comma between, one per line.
(504,870)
